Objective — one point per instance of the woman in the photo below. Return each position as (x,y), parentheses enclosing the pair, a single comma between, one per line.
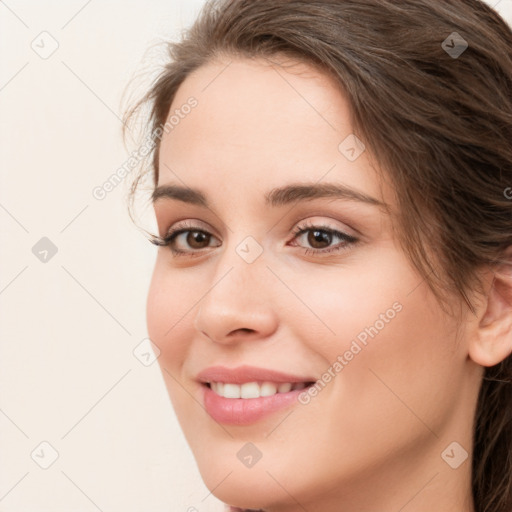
(332,295)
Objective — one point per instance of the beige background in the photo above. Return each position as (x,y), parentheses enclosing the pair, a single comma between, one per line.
(69,325)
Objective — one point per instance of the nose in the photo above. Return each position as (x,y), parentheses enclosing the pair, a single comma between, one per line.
(237,305)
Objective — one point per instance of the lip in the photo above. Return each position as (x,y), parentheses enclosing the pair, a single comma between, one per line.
(245,411)
(245,373)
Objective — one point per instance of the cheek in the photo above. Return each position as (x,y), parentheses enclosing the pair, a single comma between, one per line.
(375,292)
(343,302)
(169,327)
(396,346)
(167,316)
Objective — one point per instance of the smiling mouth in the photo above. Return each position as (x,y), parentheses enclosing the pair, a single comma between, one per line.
(255,389)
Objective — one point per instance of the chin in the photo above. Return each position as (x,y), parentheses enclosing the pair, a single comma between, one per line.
(249,488)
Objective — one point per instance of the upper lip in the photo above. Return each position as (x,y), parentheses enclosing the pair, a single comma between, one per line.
(243,374)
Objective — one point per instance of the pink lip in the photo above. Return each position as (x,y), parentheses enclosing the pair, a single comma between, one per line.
(243,374)
(244,411)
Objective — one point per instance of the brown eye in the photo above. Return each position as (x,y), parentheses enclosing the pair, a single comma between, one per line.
(196,239)
(186,241)
(319,239)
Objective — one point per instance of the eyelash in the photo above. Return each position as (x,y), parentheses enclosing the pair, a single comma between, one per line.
(299,230)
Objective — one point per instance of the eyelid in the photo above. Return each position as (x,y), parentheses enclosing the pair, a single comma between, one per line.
(310,222)
(189,224)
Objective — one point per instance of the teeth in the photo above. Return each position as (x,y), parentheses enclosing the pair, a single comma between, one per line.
(231,391)
(268,389)
(249,390)
(218,387)
(253,389)
(284,388)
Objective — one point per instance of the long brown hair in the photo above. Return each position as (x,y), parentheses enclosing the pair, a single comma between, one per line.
(429,83)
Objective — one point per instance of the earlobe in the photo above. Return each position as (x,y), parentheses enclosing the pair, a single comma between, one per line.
(491,339)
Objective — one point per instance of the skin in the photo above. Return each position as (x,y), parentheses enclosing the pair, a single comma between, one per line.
(372,439)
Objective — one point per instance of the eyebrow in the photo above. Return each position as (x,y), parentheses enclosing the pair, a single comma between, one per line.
(275,197)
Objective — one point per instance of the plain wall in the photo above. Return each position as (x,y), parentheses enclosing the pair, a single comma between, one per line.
(69,325)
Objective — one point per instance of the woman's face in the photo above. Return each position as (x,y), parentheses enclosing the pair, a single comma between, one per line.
(346,309)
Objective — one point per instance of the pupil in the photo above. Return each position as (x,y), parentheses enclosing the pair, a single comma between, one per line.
(318,237)
(196,237)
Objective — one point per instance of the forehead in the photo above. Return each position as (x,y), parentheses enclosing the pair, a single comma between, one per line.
(257,124)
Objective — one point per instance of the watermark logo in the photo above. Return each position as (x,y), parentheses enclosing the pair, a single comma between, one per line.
(454,45)
(44,455)
(45,45)
(352,148)
(249,249)
(454,455)
(44,250)
(146,352)
(249,455)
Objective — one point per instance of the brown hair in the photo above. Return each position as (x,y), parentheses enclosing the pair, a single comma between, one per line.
(437,117)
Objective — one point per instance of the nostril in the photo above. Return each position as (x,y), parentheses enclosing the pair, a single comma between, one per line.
(243,329)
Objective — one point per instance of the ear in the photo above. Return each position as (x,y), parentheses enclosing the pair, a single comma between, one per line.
(491,338)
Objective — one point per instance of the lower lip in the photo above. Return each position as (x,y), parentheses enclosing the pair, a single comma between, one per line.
(244,411)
